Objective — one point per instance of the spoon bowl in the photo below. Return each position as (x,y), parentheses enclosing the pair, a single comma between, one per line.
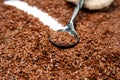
(72,33)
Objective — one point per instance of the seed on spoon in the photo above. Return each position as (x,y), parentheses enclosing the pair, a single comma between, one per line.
(63,39)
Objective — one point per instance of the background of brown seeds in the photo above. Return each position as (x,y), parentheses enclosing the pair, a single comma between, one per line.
(25,52)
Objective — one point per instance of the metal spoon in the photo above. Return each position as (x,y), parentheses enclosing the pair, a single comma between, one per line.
(70,26)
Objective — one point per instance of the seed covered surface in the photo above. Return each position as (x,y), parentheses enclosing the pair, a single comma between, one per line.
(27,54)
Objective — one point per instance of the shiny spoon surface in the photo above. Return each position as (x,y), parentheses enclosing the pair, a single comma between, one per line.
(70,27)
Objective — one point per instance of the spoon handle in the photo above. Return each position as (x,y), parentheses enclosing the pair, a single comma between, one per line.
(76,10)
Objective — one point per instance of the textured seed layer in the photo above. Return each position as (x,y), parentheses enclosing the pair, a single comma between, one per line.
(27,54)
